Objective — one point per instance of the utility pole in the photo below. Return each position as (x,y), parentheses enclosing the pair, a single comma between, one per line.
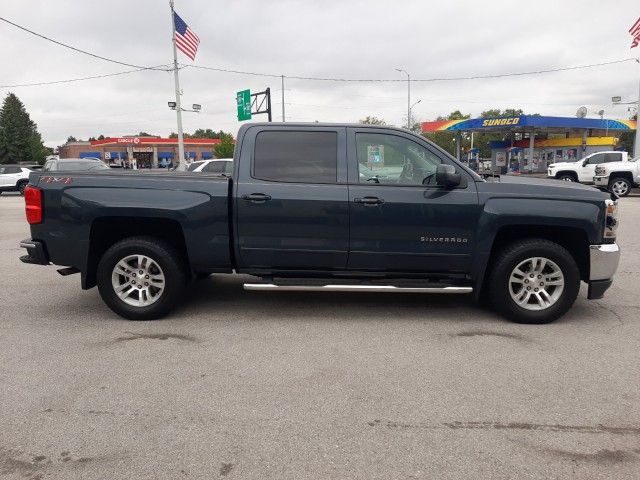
(408,96)
(282,80)
(181,161)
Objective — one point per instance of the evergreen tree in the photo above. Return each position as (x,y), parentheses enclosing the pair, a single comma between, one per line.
(225,148)
(19,137)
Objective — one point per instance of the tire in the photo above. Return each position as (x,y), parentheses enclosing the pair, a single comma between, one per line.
(503,292)
(566,177)
(620,186)
(164,269)
(21,187)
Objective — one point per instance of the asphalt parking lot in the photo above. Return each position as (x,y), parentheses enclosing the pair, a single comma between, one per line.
(239,384)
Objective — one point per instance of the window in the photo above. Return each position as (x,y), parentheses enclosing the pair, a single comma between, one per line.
(612,157)
(597,159)
(193,166)
(217,167)
(48,166)
(10,170)
(306,157)
(394,160)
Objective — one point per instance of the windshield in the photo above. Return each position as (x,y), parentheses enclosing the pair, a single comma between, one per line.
(193,166)
(88,165)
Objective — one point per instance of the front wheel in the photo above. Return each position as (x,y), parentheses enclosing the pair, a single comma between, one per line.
(141,278)
(567,178)
(533,281)
(620,187)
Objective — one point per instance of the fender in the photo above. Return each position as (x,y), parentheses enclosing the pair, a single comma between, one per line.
(530,212)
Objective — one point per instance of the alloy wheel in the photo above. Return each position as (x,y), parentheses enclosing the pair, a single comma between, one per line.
(138,280)
(536,283)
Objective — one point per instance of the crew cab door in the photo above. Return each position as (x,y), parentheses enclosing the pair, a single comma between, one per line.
(291,199)
(398,223)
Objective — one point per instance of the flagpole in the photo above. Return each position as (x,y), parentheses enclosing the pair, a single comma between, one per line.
(181,159)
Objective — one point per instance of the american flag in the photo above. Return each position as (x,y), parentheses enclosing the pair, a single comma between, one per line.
(635,33)
(186,40)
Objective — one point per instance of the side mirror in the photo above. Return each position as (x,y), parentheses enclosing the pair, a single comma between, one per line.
(447,177)
(585,163)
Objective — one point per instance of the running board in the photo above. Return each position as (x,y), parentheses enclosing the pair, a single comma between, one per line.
(264,287)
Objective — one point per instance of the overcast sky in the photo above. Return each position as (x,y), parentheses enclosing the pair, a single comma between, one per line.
(341,38)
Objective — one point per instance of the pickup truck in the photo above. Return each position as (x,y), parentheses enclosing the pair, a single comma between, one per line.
(583,170)
(327,207)
(618,177)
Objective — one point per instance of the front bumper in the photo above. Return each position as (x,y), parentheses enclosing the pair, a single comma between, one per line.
(601,181)
(603,263)
(36,253)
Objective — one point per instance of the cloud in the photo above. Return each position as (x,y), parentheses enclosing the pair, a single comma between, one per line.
(356,39)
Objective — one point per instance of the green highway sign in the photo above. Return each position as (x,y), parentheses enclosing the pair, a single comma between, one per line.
(243,100)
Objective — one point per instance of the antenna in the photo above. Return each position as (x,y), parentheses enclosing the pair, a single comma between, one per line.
(581,112)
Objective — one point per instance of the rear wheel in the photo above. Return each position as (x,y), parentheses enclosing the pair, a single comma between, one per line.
(141,278)
(534,281)
(21,187)
(620,187)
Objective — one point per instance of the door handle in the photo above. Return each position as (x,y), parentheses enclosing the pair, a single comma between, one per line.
(256,197)
(368,200)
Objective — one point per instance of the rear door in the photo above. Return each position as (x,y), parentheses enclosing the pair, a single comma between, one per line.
(291,205)
(401,221)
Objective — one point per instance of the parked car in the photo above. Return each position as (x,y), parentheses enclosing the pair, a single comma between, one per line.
(218,165)
(328,207)
(583,170)
(13,178)
(74,164)
(618,177)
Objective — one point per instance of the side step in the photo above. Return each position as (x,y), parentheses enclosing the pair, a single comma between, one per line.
(265,287)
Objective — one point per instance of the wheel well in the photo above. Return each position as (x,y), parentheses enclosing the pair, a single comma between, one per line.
(573,239)
(625,175)
(21,181)
(108,230)
(567,172)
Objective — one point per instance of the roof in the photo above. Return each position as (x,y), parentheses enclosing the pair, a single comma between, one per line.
(527,122)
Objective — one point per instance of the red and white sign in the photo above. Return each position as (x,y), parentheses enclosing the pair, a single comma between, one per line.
(635,33)
(133,140)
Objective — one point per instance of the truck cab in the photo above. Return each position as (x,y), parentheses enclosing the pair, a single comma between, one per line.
(584,170)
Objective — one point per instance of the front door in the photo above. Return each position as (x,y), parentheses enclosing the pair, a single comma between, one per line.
(291,202)
(401,221)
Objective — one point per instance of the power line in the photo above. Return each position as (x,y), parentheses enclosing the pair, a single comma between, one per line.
(70,80)
(435,79)
(75,48)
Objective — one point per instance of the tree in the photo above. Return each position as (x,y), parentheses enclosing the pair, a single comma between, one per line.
(225,148)
(19,137)
(71,138)
(101,137)
(446,140)
(370,120)
(92,139)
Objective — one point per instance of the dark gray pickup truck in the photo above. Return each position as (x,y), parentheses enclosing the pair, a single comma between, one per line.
(327,207)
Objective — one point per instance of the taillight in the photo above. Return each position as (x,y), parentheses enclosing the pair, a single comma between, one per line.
(33,204)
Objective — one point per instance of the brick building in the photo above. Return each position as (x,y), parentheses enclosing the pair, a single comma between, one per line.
(148,152)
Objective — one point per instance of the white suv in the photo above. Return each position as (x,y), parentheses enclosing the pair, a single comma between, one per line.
(13,178)
(584,170)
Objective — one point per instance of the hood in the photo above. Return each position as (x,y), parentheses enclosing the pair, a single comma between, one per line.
(563,164)
(542,188)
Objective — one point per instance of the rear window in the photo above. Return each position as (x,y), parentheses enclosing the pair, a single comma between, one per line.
(10,169)
(88,165)
(303,157)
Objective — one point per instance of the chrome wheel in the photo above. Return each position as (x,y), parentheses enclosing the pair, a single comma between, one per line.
(566,178)
(536,283)
(620,188)
(138,280)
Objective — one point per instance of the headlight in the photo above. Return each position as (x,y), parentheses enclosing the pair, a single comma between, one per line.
(611,219)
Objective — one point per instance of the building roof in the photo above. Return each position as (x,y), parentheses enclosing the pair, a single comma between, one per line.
(124,141)
(528,122)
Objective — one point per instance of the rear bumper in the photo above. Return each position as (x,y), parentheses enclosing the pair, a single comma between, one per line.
(603,260)
(36,253)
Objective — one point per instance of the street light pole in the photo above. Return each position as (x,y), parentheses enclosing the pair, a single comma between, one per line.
(411,112)
(408,96)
